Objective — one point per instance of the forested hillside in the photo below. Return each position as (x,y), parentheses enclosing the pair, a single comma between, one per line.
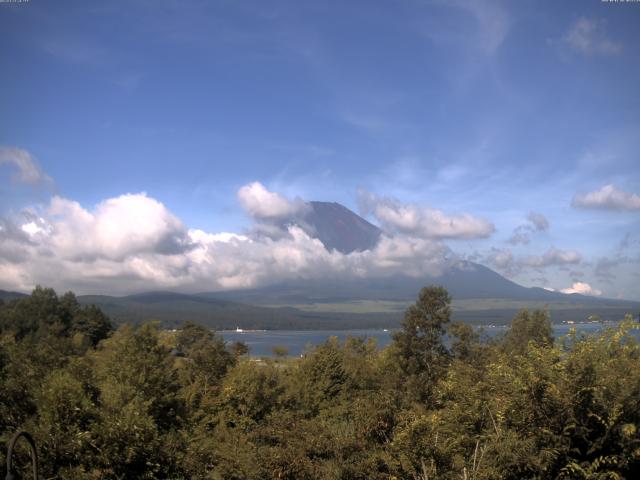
(142,402)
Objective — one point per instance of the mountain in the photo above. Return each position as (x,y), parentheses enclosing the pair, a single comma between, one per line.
(464,280)
(339,228)
(480,294)
(7,296)
(172,309)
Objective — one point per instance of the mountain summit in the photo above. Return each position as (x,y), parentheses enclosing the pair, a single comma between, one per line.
(341,229)
(338,228)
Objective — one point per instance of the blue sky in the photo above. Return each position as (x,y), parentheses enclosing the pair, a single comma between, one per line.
(482,111)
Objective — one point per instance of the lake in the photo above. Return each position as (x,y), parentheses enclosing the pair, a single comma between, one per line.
(261,342)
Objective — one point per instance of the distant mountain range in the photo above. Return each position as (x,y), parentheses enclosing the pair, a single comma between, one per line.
(172,309)
(464,280)
(7,296)
(480,294)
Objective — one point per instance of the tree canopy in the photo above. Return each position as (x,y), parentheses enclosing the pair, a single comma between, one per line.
(438,403)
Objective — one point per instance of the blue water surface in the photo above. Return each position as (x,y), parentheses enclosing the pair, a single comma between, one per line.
(262,342)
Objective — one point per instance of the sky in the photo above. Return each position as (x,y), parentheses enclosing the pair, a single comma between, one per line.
(154,144)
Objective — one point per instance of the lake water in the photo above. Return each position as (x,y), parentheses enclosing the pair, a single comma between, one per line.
(261,342)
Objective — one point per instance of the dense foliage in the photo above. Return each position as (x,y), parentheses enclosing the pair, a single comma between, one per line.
(438,403)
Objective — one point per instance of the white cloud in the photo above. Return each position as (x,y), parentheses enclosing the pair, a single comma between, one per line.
(200,236)
(422,221)
(32,228)
(134,243)
(588,36)
(245,262)
(262,204)
(27,168)
(552,257)
(116,228)
(582,288)
(607,198)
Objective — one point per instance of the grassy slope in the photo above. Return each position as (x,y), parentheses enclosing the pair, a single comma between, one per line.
(173,309)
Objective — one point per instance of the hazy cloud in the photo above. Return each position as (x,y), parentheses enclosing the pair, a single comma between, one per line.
(422,221)
(607,198)
(552,257)
(625,242)
(492,24)
(588,36)
(27,170)
(520,235)
(539,221)
(603,268)
(493,21)
(630,243)
(503,260)
(14,242)
(511,265)
(536,222)
(76,50)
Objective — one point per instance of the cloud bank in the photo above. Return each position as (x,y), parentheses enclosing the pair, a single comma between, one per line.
(506,262)
(553,257)
(607,198)
(422,221)
(116,229)
(134,243)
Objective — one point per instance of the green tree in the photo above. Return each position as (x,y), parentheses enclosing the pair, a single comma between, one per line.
(204,360)
(321,377)
(528,327)
(419,349)
(44,314)
(66,414)
(465,342)
(91,323)
(36,315)
(139,403)
(249,394)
